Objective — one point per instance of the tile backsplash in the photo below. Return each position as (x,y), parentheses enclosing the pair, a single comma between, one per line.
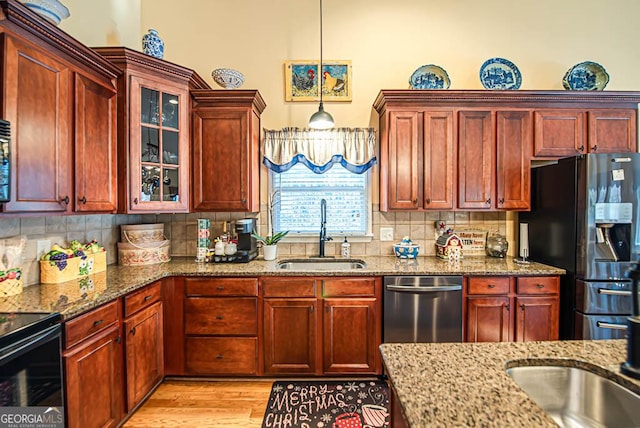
(182,230)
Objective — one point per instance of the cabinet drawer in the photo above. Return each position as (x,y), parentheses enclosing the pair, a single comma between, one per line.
(538,285)
(289,287)
(335,287)
(141,299)
(212,355)
(221,286)
(86,325)
(488,285)
(221,315)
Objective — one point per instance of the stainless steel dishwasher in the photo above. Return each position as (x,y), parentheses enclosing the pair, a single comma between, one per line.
(422,309)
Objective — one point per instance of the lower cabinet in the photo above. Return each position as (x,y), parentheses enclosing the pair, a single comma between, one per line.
(143,343)
(504,309)
(322,325)
(221,326)
(94,369)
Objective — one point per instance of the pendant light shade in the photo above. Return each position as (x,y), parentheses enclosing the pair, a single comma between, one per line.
(321,119)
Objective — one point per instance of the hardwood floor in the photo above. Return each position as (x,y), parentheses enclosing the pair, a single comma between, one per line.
(200,403)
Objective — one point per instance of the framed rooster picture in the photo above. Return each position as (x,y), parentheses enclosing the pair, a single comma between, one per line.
(303,80)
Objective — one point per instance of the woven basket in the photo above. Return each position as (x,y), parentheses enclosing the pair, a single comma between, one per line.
(11,282)
(76,267)
(143,254)
(141,233)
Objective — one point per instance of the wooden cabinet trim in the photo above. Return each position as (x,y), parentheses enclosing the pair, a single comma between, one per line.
(348,287)
(538,285)
(289,287)
(221,356)
(235,316)
(221,286)
(488,285)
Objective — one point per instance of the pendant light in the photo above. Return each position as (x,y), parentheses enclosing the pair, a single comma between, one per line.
(321,119)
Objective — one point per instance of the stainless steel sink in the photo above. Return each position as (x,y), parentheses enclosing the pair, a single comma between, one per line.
(321,264)
(575,397)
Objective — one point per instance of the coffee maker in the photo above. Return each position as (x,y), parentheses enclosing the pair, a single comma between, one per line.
(247,244)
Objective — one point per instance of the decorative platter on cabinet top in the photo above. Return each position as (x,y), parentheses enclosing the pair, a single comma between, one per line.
(586,76)
(430,76)
(500,73)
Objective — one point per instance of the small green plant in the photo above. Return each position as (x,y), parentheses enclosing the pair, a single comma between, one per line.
(270,239)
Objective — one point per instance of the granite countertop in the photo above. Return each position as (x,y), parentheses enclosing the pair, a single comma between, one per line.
(465,384)
(74,297)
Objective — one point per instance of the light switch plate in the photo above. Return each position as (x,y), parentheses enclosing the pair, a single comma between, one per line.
(386,233)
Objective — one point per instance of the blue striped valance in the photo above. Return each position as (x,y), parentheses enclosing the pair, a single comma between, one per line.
(319,150)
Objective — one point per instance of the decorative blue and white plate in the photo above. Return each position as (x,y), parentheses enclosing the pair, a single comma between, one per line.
(586,76)
(500,73)
(430,76)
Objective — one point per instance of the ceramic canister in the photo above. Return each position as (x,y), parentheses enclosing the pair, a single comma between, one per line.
(152,44)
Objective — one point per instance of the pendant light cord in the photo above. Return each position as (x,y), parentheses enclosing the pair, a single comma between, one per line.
(320,75)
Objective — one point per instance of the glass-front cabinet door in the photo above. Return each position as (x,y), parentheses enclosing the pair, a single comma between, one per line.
(158,147)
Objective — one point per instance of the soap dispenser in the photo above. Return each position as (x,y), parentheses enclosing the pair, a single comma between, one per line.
(345,249)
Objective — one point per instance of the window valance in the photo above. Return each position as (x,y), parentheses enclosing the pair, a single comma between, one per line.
(319,150)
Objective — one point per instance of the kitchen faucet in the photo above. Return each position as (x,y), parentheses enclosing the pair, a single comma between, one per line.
(323,226)
(631,367)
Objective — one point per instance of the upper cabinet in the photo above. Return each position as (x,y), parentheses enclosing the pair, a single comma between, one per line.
(153,131)
(59,97)
(472,150)
(226,150)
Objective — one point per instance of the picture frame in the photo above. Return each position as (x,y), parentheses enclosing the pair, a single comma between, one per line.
(302,77)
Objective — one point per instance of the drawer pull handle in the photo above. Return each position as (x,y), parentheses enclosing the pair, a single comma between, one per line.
(147,298)
(219,287)
(219,357)
(491,286)
(133,331)
(219,317)
(97,323)
(540,285)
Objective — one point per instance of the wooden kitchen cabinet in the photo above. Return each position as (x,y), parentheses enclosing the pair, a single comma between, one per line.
(94,368)
(59,97)
(505,309)
(420,155)
(226,147)
(144,344)
(153,131)
(322,326)
(569,132)
(221,326)
(494,135)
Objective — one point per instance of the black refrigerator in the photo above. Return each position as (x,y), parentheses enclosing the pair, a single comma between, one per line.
(584,219)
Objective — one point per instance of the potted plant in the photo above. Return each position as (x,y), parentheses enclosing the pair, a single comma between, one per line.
(269,243)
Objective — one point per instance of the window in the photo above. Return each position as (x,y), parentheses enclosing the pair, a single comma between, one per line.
(296,196)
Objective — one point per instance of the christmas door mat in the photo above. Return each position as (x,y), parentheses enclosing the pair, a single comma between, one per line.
(328,404)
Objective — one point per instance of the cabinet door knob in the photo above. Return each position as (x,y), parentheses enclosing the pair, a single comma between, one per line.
(135,201)
(118,339)
(311,309)
(507,307)
(488,201)
(83,200)
(581,148)
(133,331)
(428,201)
(65,200)
(594,148)
(522,306)
(501,201)
(414,201)
(219,317)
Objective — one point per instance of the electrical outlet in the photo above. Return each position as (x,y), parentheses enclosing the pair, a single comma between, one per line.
(43,246)
(386,233)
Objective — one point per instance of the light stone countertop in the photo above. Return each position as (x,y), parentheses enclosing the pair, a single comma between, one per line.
(74,297)
(466,384)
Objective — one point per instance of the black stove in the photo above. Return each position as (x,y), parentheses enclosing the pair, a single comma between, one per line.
(15,326)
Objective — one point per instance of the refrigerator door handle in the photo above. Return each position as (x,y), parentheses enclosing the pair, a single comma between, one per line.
(611,326)
(614,292)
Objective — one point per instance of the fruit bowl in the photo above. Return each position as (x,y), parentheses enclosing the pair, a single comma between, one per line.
(227,78)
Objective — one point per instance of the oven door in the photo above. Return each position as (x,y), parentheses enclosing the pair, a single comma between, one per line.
(31,371)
